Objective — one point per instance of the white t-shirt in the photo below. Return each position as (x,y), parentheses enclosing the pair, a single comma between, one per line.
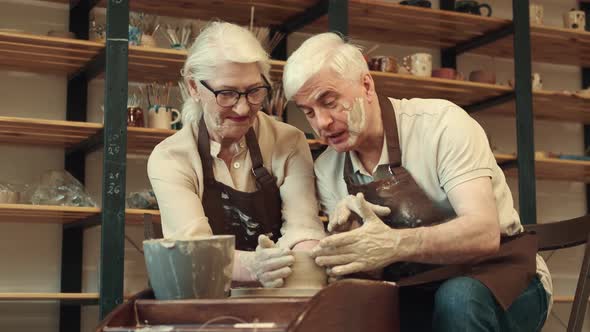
(442,147)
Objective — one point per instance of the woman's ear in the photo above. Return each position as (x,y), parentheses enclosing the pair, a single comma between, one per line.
(368,87)
(192,86)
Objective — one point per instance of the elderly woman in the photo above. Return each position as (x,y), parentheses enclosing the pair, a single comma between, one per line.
(232,169)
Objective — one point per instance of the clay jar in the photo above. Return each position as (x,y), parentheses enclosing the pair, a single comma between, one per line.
(383,63)
(447,73)
(306,273)
(482,76)
(135,116)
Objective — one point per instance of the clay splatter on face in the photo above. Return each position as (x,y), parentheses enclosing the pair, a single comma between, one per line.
(356,120)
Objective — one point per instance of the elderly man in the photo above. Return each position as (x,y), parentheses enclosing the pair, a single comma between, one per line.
(420,177)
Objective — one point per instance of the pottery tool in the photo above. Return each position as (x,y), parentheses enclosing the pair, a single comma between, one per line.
(157,94)
(178,37)
(277,101)
(148,24)
(269,39)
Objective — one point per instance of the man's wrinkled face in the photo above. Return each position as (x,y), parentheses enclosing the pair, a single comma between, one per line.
(335,108)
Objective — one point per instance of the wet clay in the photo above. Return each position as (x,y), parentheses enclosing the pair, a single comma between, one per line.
(356,120)
(306,273)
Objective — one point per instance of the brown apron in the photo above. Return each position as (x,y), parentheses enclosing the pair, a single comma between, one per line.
(507,273)
(243,214)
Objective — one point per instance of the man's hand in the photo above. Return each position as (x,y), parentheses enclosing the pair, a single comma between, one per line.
(342,220)
(367,248)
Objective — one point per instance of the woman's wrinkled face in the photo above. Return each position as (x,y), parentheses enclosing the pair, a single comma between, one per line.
(335,109)
(229,124)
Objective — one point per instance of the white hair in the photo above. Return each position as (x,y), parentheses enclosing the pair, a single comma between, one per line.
(326,50)
(217,44)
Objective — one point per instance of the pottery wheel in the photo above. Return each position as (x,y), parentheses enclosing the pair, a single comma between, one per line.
(273,292)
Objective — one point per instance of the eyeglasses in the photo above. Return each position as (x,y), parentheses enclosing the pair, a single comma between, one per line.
(228,98)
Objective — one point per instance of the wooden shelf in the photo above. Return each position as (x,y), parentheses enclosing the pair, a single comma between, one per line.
(143,140)
(135,216)
(551,105)
(43,54)
(548,44)
(27,213)
(66,134)
(460,92)
(45,132)
(268,12)
(388,22)
(49,296)
(553,168)
(156,64)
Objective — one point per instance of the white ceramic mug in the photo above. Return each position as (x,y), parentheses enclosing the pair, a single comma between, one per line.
(574,19)
(536,81)
(536,13)
(161,117)
(418,64)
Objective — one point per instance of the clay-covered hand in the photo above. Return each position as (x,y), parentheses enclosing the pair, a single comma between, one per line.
(341,219)
(372,246)
(270,264)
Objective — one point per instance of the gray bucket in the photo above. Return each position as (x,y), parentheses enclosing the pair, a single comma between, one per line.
(199,268)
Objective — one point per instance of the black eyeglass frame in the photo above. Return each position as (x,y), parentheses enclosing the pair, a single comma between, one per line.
(240,94)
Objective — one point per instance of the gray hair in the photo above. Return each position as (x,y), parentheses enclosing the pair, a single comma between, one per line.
(326,50)
(217,44)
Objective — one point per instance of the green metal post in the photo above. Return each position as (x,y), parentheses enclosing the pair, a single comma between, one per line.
(524,113)
(114,159)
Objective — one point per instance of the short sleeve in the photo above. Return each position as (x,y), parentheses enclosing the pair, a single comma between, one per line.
(463,151)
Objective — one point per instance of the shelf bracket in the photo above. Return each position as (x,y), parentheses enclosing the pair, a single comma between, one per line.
(88,145)
(482,40)
(508,164)
(490,102)
(93,68)
(76,303)
(308,16)
(85,223)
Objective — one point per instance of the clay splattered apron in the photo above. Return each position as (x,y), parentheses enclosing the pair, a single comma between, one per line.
(507,273)
(243,214)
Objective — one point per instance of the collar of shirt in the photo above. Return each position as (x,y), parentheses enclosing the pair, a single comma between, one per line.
(358,167)
(239,147)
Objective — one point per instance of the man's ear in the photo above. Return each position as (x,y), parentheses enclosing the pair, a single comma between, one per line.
(368,87)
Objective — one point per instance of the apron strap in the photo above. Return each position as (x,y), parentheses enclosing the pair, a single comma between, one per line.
(390,130)
(391,137)
(263,177)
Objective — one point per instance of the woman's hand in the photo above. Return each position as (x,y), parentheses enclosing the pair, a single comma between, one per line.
(269,264)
